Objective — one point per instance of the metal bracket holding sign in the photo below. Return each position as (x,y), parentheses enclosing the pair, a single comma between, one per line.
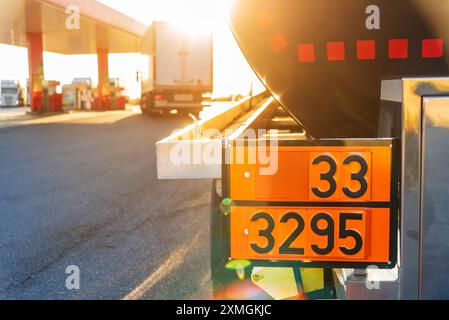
(194,139)
(331,203)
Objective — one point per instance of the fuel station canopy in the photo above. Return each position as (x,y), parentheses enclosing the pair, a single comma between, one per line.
(99,26)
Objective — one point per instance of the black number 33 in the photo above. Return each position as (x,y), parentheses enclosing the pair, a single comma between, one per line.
(330,177)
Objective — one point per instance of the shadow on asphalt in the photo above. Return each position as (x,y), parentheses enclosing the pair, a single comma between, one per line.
(87,194)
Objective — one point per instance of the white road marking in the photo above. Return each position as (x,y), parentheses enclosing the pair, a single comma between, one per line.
(172,263)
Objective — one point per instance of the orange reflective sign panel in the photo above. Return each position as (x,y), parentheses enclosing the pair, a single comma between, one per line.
(311,234)
(329,205)
(324,174)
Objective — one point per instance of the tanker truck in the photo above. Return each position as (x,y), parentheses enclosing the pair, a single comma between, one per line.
(332,184)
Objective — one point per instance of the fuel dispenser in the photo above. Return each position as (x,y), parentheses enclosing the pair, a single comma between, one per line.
(112,97)
(78,95)
(117,97)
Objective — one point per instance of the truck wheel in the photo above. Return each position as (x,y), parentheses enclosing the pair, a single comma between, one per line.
(225,283)
(148,112)
(146,104)
(144,110)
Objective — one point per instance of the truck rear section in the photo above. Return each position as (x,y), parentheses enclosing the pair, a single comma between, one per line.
(174,101)
(178,76)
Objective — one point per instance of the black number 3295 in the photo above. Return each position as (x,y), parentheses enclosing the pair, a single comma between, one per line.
(321,224)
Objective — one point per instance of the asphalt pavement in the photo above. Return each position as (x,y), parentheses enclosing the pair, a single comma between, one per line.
(81,190)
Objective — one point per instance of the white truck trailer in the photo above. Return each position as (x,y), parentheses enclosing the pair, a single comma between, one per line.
(178,76)
(10,93)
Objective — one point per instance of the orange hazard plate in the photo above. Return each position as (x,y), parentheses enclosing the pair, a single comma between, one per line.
(311,234)
(328,203)
(313,173)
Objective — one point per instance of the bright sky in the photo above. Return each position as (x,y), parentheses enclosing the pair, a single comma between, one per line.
(209,14)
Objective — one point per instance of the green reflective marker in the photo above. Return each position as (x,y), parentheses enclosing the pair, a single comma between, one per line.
(226,203)
(239,266)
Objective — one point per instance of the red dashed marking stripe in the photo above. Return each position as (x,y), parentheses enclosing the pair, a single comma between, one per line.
(336,51)
(306,52)
(432,48)
(398,49)
(278,42)
(366,50)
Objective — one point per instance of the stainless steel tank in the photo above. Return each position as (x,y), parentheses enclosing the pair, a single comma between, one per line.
(324,59)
